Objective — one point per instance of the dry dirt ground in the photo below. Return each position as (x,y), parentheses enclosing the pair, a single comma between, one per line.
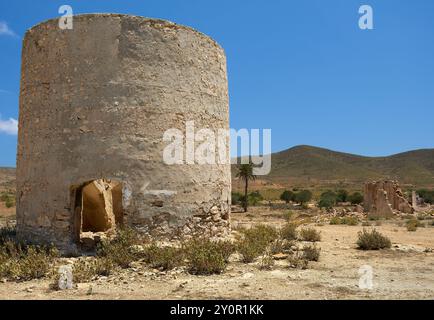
(6,213)
(403,272)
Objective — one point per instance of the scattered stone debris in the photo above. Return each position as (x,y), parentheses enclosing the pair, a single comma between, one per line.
(280,256)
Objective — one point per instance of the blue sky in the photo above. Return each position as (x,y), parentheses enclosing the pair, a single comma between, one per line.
(302,68)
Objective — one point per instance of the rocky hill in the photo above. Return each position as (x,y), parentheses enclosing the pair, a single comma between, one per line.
(307,165)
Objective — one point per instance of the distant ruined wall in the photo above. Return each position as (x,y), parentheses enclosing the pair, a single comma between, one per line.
(94,104)
(382,197)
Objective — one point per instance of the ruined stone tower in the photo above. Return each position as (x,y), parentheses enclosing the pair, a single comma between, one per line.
(95,102)
(385,197)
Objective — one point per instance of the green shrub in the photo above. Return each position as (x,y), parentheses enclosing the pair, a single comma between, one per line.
(288,215)
(310,234)
(327,203)
(236,198)
(280,245)
(342,195)
(372,240)
(412,225)
(249,250)
(165,258)
(87,270)
(327,199)
(207,257)
(10,202)
(355,198)
(227,248)
(303,197)
(297,261)
(335,221)
(119,250)
(262,234)
(426,195)
(255,242)
(25,262)
(7,234)
(311,253)
(8,198)
(350,221)
(3,196)
(289,231)
(254,198)
(373,217)
(82,272)
(287,196)
(266,262)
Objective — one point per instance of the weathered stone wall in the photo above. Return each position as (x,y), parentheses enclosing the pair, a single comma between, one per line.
(94,104)
(383,197)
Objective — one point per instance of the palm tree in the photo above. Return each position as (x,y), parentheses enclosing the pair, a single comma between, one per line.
(245,172)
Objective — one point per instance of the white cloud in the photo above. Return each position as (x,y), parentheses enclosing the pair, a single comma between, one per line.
(5,30)
(9,126)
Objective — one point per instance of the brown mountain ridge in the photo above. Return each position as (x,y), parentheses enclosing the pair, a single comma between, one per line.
(318,166)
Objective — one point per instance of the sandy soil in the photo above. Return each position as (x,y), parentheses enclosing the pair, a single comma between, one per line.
(6,213)
(403,272)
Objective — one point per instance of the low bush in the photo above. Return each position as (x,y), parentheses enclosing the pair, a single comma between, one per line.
(287,196)
(310,234)
(164,258)
(262,234)
(426,195)
(255,198)
(87,270)
(355,198)
(9,203)
(311,253)
(207,257)
(266,262)
(372,240)
(22,262)
(289,231)
(236,198)
(119,250)
(288,215)
(297,261)
(255,241)
(328,199)
(280,246)
(335,221)
(8,198)
(7,234)
(350,221)
(412,225)
(373,217)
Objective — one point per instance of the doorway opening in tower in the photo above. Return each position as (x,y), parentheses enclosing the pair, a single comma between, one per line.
(98,211)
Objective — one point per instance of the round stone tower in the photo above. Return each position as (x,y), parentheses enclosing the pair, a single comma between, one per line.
(95,104)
